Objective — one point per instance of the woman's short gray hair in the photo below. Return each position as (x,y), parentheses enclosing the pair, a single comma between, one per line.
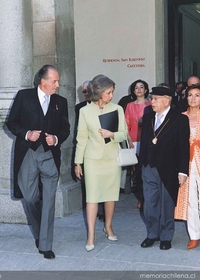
(98,85)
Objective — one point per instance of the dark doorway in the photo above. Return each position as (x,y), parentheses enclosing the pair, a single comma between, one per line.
(175,41)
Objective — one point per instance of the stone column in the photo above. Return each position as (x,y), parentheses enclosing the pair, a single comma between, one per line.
(53,43)
(15,73)
(15,44)
(69,191)
(161,41)
(34,33)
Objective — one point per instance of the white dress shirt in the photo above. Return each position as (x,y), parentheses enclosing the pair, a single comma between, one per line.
(41,95)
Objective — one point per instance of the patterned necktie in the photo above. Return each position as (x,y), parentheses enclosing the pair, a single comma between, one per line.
(45,104)
(158,122)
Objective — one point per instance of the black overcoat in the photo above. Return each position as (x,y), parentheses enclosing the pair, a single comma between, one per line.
(171,154)
(26,114)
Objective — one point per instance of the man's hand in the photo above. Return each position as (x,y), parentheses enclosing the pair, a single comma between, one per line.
(50,139)
(33,135)
(182,179)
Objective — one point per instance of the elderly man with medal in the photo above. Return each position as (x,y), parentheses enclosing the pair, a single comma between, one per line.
(164,159)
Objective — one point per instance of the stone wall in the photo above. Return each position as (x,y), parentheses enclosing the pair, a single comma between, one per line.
(35,33)
(38,32)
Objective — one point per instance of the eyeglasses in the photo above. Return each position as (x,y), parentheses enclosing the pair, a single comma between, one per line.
(84,91)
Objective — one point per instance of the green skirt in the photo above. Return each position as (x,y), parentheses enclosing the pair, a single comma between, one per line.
(102,179)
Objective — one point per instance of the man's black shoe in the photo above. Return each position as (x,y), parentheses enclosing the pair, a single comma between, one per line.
(36,243)
(148,242)
(48,254)
(165,245)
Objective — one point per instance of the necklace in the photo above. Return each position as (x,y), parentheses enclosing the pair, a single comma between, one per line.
(155,139)
(101,109)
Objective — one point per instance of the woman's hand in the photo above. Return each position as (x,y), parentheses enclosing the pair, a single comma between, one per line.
(78,171)
(131,146)
(130,142)
(106,133)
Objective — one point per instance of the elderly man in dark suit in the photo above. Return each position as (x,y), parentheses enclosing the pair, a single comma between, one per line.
(39,120)
(164,157)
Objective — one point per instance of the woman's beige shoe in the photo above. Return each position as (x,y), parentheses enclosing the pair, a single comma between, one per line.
(89,248)
(112,237)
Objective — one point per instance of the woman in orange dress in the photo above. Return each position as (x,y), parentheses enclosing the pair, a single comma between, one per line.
(188,207)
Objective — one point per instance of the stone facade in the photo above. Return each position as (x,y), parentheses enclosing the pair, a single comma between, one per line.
(38,32)
(35,33)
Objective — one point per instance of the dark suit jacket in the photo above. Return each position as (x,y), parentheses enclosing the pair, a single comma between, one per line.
(148,109)
(125,100)
(171,154)
(77,109)
(26,114)
(182,105)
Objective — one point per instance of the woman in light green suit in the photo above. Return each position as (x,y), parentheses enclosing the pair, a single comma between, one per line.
(101,172)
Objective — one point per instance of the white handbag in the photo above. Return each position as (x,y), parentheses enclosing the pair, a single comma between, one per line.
(126,156)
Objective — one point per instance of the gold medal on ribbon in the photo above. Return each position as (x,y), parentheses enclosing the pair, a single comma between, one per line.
(154,141)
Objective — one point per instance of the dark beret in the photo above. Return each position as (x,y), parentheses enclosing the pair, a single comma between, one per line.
(161,91)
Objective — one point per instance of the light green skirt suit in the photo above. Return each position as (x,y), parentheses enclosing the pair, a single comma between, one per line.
(102,174)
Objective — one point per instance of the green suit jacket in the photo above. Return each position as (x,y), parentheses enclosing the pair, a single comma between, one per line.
(90,143)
